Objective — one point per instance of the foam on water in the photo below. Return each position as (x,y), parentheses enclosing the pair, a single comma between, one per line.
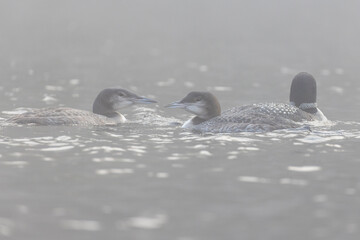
(145,222)
(6,227)
(304,168)
(119,171)
(81,225)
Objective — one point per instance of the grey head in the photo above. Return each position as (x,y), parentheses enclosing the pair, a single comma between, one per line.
(303,92)
(203,104)
(110,100)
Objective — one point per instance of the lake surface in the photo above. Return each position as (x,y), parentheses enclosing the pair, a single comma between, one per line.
(150,179)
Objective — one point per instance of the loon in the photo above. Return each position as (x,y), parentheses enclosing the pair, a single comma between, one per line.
(105,111)
(254,117)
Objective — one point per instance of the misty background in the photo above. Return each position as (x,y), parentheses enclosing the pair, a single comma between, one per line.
(148,179)
(249,46)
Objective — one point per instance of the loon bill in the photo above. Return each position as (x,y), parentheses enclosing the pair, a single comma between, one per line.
(105,111)
(253,117)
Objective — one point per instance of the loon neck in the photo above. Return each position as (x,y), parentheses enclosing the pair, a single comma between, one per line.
(117,117)
(197,120)
(193,122)
(307,107)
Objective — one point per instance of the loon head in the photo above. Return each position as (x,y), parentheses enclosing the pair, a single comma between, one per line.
(110,100)
(203,104)
(303,92)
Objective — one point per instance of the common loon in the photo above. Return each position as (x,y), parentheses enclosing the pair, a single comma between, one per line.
(253,117)
(105,111)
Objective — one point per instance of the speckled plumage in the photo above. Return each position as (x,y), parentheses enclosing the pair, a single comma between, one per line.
(105,111)
(61,116)
(256,117)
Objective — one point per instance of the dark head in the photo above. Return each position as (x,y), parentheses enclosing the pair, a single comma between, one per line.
(303,92)
(111,100)
(203,104)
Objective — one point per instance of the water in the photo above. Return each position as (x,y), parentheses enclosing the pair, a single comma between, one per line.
(150,179)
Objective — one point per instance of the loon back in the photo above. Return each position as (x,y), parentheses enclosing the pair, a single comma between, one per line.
(255,118)
(62,116)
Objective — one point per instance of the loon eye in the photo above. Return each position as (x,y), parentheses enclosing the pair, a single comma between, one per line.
(121,94)
(198,99)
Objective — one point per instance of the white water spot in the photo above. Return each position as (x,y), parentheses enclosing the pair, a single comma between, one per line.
(121,170)
(318,139)
(15,163)
(205,153)
(105,159)
(337,90)
(325,72)
(162,175)
(6,227)
(229,138)
(49,99)
(287,71)
(252,179)
(58,212)
(106,149)
(31,143)
(351,228)
(63,138)
(141,165)
(189,84)
(304,168)
(232,155)
(297,144)
(290,181)
(233,152)
(126,160)
(248,148)
(177,165)
(102,171)
(320,198)
(256,85)
(199,146)
(176,156)
(57,144)
(106,209)
(22,209)
(173,158)
(350,191)
(114,171)
(333,145)
(203,68)
(74,81)
(54,88)
(222,89)
(166,83)
(133,88)
(57,149)
(81,225)
(31,72)
(16,154)
(339,71)
(143,222)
